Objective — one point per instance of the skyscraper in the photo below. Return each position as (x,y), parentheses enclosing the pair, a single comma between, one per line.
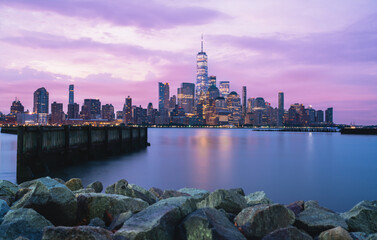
(329,115)
(244,103)
(280,109)
(319,116)
(91,109)
(127,110)
(224,88)
(56,112)
(16,107)
(108,112)
(201,71)
(186,94)
(40,101)
(163,95)
(71,94)
(73,111)
(212,81)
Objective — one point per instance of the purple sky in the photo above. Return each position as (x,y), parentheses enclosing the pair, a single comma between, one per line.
(320,53)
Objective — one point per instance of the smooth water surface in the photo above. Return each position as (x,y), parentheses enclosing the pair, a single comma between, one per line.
(338,170)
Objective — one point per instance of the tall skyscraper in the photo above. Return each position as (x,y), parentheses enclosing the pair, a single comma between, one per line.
(201,71)
(73,111)
(163,95)
(244,103)
(71,94)
(108,112)
(280,109)
(319,116)
(186,94)
(212,80)
(127,110)
(56,113)
(40,101)
(224,88)
(91,109)
(329,115)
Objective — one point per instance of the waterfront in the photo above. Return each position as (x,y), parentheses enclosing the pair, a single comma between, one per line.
(335,169)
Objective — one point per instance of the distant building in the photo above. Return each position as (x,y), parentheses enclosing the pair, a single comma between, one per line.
(108,112)
(224,88)
(57,114)
(280,116)
(320,116)
(73,111)
(127,110)
(212,81)
(71,94)
(213,92)
(41,97)
(91,109)
(172,102)
(329,115)
(16,107)
(119,115)
(163,95)
(244,103)
(186,95)
(201,71)
(233,103)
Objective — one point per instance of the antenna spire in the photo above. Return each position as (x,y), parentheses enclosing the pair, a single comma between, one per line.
(202,43)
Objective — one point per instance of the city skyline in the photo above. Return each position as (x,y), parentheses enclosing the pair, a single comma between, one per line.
(122,58)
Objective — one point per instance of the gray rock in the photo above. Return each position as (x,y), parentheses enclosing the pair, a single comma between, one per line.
(372,237)
(110,189)
(259,220)
(99,205)
(337,233)
(8,191)
(131,190)
(238,190)
(173,193)
(158,221)
(358,235)
(119,220)
(257,198)
(59,180)
(196,193)
(208,224)
(4,208)
(23,222)
(97,186)
(296,207)
(74,184)
(97,222)
(362,217)
(156,191)
(230,201)
(84,190)
(80,232)
(316,219)
(288,233)
(51,199)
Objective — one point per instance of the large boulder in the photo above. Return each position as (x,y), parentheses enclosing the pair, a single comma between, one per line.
(257,221)
(288,233)
(316,219)
(362,217)
(208,224)
(8,191)
(97,186)
(156,191)
(194,192)
(173,193)
(4,208)
(372,237)
(74,184)
(358,235)
(119,220)
(51,199)
(23,222)
(255,198)
(80,232)
(92,205)
(158,221)
(296,207)
(337,233)
(131,190)
(230,201)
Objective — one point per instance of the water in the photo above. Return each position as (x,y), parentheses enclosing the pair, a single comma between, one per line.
(337,170)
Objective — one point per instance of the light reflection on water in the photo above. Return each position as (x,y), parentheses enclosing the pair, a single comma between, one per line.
(335,169)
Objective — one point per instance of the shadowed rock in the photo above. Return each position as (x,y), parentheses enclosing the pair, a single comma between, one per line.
(74,184)
(362,217)
(194,192)
(228,200)
(119,220)
(97,186)
(131,190)
(156,191)
(288,233)
(337,233)
(257,198)
(8,191)
(81,232)
(4,208)
(173,193)
(296,207)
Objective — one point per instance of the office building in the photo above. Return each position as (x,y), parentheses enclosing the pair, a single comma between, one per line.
(57,114)
(41,97)
(186,95)
(244,103)
(280,109)
(201,71)
(329,115)
(127,110)
(108,112)
(73,111)
(16,107)
(224,88)
(163,95)
(71,94)
(212,81)
(91,109)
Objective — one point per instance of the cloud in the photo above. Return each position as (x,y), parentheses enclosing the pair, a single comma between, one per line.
(138,13)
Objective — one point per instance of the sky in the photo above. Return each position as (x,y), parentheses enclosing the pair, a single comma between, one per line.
(318,52)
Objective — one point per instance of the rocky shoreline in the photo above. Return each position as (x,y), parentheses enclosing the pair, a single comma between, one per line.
(48,208)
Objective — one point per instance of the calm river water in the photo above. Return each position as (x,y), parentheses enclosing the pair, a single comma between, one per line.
(337,170)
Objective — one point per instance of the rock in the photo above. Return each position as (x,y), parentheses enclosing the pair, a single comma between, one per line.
(97,222)
(82,191)
(158,221)
(208,224)
(358,235)
(296,207)
(316,219)
(259,220)
(119,220)
(23,222)
(59,180)
(288,233)
(230,216)
(80,232)
(257,198)
(230,201)
(362,217)
(372,237)
(97,186)
(51,199)
(173,193)
(22,238)
(156,191)
(196,193)
(74,184)
(131,190)
(238,190)
(8,191)
(98,205)
(110,189)
(4,208)
(337,233)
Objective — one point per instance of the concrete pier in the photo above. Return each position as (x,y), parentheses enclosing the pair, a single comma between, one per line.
(41,149)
